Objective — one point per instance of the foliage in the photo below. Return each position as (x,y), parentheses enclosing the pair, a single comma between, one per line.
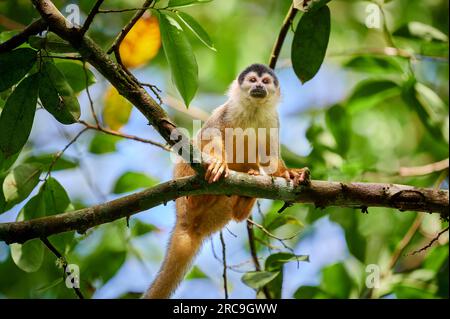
(392,113)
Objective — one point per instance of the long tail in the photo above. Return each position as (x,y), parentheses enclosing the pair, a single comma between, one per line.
(182,249)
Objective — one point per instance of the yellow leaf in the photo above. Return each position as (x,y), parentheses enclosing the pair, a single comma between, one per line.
(142,43)
(116,109)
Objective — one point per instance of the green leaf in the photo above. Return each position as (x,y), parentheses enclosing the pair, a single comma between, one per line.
(28,256)
(196,273)
(276,261)
(282,220)
(139,228)
(55,197)
(421,31)
(103,143)
(75,75)
(52,43)
(57,96)
(308,6)
(14,65)
(131,181)
(184,3)
(310,43)
(428,106)
(34,208)
(19,183)
(373,64)
(180,56)
(45,160)
(370,93)
(258,279)
(338,121)
(336,282)
(407,292)
(17,116)
(310,292)
(196,29)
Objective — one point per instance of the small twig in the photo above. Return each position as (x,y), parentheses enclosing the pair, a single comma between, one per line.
(64,263)
(282,36)
(32,29)
(91,16)
(84,170)
(65,57)
(254,254)
(224,259)
(156,91)
(60,153)
(425,169)
(91,103)
(127,136)
(430,243)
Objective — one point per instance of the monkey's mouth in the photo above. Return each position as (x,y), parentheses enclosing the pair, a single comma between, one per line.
(258,93)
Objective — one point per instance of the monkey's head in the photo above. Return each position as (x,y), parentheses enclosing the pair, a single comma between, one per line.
(257,83)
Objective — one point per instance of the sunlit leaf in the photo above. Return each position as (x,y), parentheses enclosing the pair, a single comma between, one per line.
(103,143)
(142,43)
(180,57)
(19,183)
(28,256)
(14,65)
(131,181)
(310,43)
(116,109)
(258,279)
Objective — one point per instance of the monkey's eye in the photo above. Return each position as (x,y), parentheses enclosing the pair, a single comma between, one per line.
(266,80)
(252,79)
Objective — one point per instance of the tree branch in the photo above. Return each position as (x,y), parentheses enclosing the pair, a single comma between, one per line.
(32,29)
(320,193)
(281,36)
(91,16)
(125,83)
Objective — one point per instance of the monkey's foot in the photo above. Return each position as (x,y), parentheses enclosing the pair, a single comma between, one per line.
(299,176)
(253,172)
(215,170)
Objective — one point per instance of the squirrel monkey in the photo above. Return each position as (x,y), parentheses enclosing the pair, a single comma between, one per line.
(251,110)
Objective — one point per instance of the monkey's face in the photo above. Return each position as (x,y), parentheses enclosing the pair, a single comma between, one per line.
(259,82)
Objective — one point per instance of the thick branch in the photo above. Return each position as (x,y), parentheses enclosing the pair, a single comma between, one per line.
(320,193)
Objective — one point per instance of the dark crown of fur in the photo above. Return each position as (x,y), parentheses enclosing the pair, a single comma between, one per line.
(259,69)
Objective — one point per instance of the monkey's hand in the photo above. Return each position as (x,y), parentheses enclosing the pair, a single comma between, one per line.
(299,176)
(215,169)
(253,172)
